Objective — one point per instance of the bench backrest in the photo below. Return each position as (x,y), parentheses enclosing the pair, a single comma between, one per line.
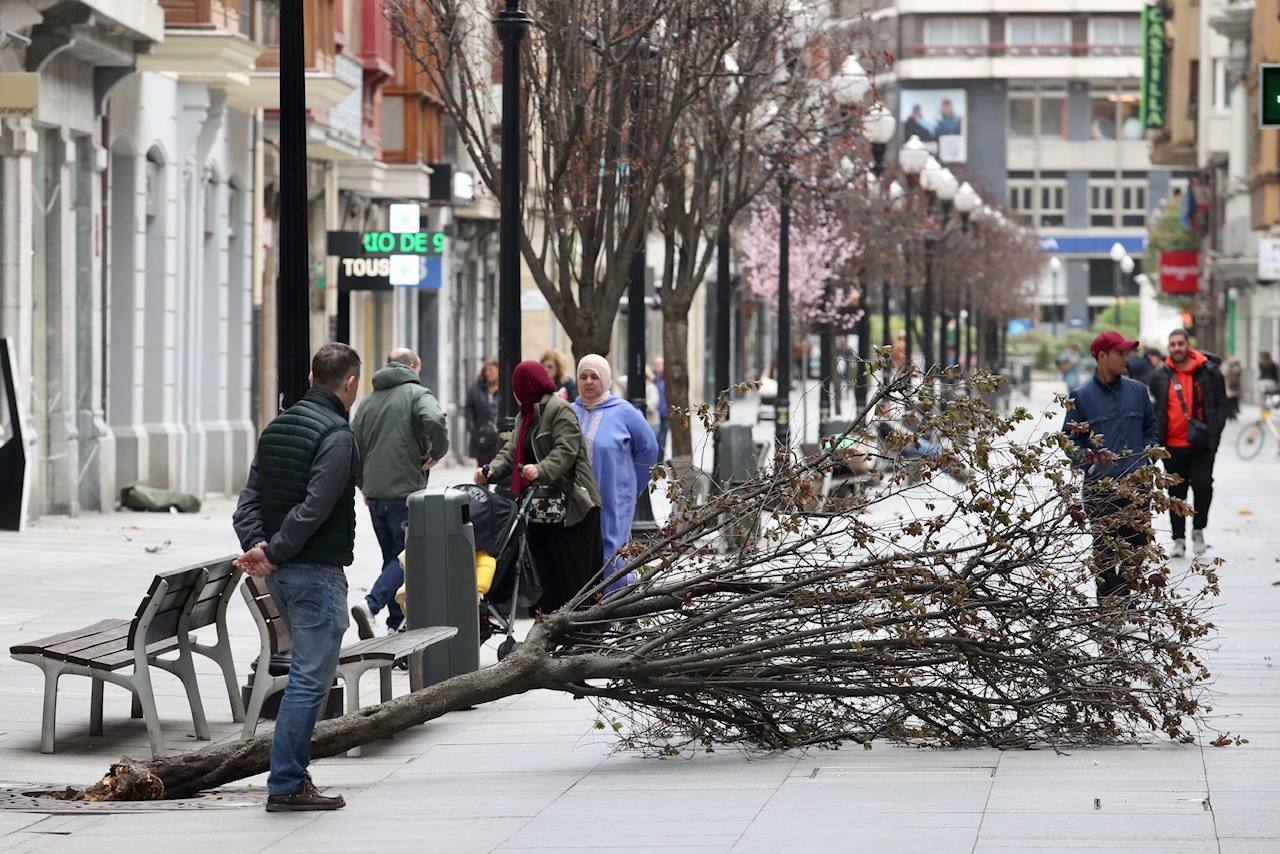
(178,593)
(267,614)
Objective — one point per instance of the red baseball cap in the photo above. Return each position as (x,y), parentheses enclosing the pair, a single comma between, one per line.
(1111,341)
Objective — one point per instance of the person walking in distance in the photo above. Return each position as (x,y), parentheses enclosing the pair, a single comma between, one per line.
(664,414)
(296,520)
(482,414)
(400,429)
(1190,402)
(1111,423)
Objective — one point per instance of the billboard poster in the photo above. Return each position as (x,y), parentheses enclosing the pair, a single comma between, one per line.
(938,117)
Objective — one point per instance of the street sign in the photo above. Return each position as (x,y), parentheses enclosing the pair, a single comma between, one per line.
(19,94)
(1179,272)
(1268,259)
(1152,97)
(1269,87)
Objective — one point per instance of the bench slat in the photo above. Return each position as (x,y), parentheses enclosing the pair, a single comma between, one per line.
(219,574)
(120,635)
(124,657)
(39,647)
(395,646)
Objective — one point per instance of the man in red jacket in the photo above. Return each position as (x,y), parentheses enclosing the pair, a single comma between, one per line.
(1190,404)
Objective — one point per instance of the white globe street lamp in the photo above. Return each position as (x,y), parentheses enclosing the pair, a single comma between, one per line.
(851,84)
(912,156)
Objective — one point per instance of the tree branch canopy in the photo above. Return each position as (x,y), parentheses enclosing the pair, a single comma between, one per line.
(951,604)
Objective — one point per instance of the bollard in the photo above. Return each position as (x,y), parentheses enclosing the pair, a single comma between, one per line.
(440,580)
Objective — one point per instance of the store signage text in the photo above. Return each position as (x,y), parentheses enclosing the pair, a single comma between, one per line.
(415,243)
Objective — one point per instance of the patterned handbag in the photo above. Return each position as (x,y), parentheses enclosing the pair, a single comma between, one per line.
(547,506)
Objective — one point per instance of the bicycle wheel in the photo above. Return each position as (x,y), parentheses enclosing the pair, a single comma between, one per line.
(1249,442)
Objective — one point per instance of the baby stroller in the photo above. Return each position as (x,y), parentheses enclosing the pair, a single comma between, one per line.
(498,524)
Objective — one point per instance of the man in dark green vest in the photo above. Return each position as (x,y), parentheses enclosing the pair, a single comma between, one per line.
(296,521)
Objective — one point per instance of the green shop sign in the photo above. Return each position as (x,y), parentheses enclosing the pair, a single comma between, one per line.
(409,243)
(1269,86)
(1154,54)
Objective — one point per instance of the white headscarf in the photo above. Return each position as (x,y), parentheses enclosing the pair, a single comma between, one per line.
(600,367)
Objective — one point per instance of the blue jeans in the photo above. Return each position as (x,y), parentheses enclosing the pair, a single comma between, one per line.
(388,520)
(312,599)
(664,428)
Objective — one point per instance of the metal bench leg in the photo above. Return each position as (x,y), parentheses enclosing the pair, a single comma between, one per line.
(95,707)
(221,653)
(352,682)
(384,677)
(262,681)
(185,669)
(135,707)
(52,671)
(415,671)
(147,700)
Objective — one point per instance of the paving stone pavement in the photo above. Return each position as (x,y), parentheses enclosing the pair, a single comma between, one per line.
(531,774)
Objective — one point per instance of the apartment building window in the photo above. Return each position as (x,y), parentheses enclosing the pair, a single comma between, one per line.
(955,32)
(1113,112)
(1039,200)
(1120,202)
(1221,91)
(1115,35)
(1038,111)
(1038,32)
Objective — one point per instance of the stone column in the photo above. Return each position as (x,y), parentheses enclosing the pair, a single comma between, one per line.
(18,142)
(97,445)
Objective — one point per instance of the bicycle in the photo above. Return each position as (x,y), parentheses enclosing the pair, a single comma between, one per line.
(1253,436)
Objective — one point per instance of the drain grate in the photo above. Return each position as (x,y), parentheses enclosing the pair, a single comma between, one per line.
(46,800)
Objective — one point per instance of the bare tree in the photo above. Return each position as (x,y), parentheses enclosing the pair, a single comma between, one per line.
(950,605)
(607,85)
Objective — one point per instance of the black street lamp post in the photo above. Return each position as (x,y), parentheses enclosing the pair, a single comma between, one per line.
(293,297)
(782,424)
(512,25)
(721,367)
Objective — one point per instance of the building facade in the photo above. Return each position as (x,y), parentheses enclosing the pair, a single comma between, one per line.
(1039,109)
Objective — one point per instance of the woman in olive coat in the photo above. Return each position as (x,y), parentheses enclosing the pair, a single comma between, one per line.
(546,447)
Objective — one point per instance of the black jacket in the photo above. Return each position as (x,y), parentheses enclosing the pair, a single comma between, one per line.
(300,496)
(482,421)
(1208,397)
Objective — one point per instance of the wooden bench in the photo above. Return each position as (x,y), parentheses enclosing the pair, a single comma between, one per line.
(353,661)
(124,651)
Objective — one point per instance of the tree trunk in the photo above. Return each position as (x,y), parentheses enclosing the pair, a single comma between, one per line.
(675,350)
(185,774)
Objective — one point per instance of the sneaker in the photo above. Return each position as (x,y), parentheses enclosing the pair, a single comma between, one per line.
(1179,548)
(1197,542)
(306,799)
(365,623)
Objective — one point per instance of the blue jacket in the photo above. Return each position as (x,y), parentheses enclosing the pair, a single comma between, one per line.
(1121,414)
(622,450)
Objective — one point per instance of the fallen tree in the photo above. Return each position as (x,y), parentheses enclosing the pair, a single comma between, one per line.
(950,604)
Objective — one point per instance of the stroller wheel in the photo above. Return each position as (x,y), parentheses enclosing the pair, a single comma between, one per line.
(507,647)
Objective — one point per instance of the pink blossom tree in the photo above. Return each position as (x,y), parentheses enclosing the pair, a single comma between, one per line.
(820,254)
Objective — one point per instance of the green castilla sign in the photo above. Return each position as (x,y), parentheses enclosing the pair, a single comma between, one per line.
(1154,56)
(1269,89)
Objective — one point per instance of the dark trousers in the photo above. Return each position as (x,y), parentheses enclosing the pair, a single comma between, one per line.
(565,558)
(1195,467)
(388,523)
(1121,530)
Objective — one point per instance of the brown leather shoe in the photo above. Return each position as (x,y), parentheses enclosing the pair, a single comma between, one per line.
(307,798)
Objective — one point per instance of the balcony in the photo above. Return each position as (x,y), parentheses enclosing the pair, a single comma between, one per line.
(328,85)
(1001,61)
(206,41)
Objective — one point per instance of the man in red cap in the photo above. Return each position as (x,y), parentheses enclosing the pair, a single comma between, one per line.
(1112,424)
(1191,410)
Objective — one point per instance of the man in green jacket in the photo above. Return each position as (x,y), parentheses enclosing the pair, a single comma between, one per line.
(400,430)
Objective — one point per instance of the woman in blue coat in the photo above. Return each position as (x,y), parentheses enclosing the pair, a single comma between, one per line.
(622,449)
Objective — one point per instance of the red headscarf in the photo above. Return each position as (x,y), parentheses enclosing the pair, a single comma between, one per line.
(530,383)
